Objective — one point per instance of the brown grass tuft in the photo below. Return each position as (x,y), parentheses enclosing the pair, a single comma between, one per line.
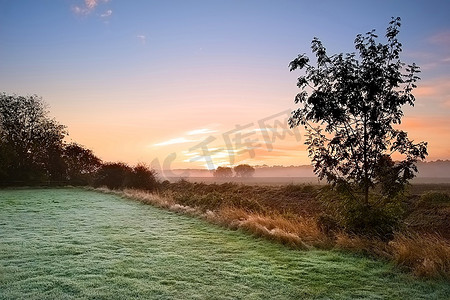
(361,244)
(425,255)
(299,233)
(148,198)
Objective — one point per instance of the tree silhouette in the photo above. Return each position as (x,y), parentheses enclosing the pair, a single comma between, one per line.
(81,164)
(32,147)
(113,175)
(244,170)
(223,172)
(119,175)
(350,106)
(30,142)
(142,177)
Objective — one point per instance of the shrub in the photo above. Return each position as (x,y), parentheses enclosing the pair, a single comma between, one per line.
(380,217)
(141,177)
(328,225)
(112,175)
(164,186)
(120,175)
(434,198)
(298,189)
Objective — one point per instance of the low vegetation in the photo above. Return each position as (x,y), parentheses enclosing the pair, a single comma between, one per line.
(296,216)
(77,244)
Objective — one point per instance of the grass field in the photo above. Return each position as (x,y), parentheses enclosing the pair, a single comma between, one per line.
(77,244)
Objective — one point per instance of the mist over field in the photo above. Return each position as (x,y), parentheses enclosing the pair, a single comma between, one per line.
(427,171)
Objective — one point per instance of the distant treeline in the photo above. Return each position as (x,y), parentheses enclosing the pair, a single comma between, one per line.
(437,169)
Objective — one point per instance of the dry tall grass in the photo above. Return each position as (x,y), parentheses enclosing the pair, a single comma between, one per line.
(298,233)
(426,255)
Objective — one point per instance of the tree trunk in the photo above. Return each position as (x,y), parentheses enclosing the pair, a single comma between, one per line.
(366,171)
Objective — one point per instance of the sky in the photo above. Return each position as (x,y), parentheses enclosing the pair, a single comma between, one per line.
(199,84)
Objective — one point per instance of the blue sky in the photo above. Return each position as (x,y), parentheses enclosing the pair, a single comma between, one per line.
(127,77)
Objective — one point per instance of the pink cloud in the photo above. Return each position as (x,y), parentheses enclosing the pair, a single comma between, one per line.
(441,38)
(437,91)
(89,6)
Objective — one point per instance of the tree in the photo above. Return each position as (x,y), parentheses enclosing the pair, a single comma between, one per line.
(351,106)
(113,175)
(142,177)
(244,170)
(7,159)
(32,147)
(223,172)
(119,175)
(81,163)
(30,142)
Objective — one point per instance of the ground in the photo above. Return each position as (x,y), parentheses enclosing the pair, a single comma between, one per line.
(72,243)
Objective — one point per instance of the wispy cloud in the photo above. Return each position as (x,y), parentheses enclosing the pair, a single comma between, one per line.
(106,14)
(201,131)
(142,38)
(180,140)
(441,38)
(436,91)
(89,6)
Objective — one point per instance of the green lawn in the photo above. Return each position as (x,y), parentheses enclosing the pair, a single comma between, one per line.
(77,244)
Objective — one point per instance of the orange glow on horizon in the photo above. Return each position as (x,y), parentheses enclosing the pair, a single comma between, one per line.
(145,142)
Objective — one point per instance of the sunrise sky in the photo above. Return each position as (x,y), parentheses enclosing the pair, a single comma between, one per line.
(164,82)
